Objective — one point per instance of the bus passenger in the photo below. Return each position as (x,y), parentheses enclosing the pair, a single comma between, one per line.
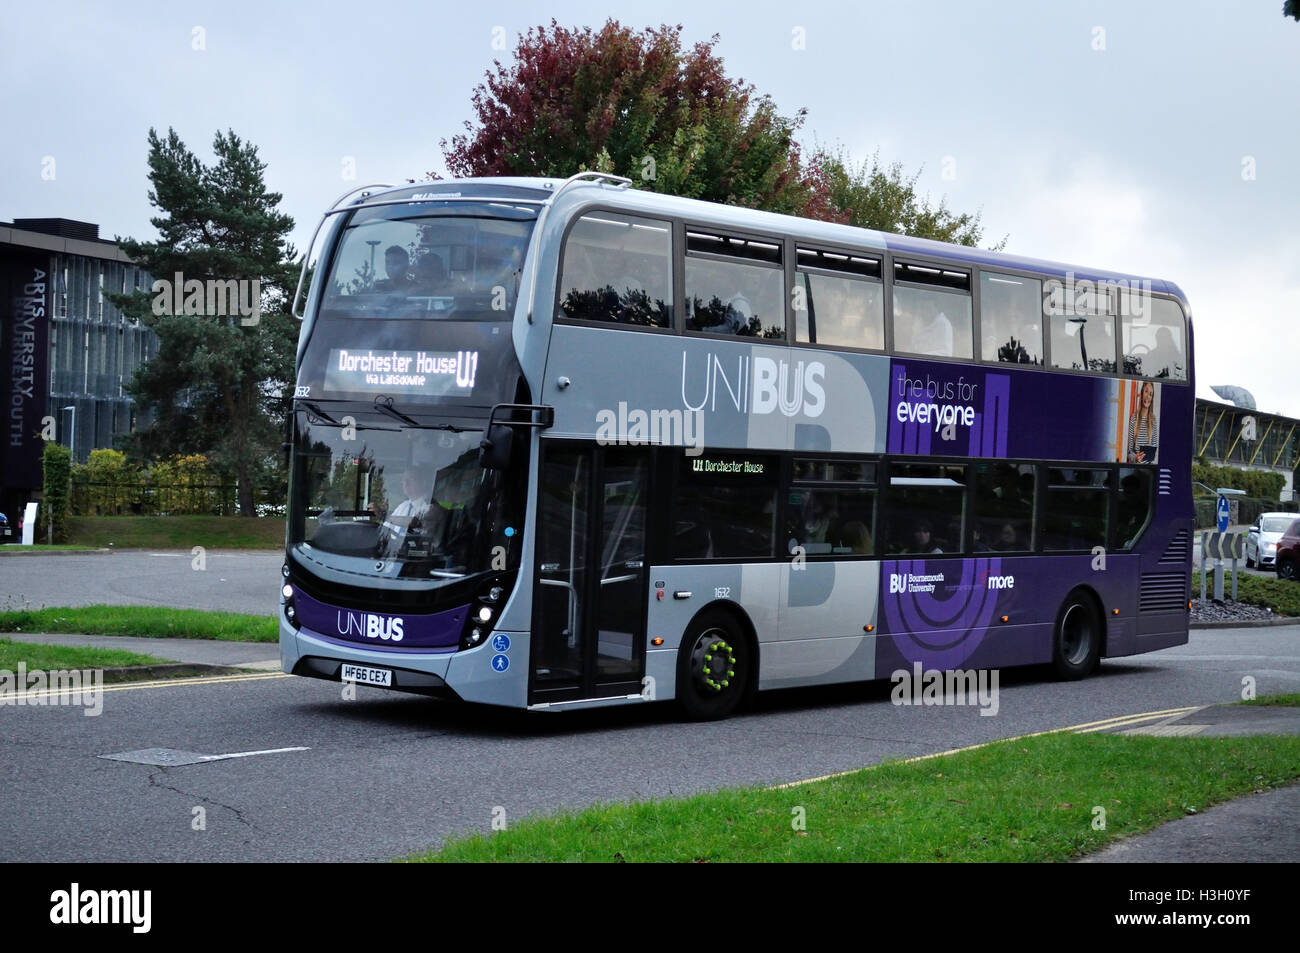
(934,337)
(923,538)
(855,537)
(397,263)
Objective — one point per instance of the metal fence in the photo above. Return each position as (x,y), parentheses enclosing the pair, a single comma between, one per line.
(148,499)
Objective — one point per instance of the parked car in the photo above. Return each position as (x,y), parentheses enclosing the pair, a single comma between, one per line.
(6,531)
(1288,553)
(1261,540)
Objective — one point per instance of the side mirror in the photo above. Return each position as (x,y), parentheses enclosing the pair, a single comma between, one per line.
(494,449)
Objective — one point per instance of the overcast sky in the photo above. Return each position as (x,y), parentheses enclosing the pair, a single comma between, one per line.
(1153,138)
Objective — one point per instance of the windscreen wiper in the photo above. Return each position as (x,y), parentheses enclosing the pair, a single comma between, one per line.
(385,406)
(319,413)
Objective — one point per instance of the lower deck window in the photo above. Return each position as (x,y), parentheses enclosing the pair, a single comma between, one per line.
(725,507)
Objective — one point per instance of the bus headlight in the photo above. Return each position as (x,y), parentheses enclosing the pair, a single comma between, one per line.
(287,591)
(484,614)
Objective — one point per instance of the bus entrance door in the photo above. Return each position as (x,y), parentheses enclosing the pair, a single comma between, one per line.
(589,623)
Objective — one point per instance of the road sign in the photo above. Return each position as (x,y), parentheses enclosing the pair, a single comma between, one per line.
(1223,514)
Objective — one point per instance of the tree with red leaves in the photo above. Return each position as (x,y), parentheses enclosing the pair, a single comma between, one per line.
(634,104)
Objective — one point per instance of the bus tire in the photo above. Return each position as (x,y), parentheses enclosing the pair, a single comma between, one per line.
(1076,637)
(713,666)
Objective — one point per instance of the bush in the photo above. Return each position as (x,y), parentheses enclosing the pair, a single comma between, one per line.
(1261,484)
(106,485)
(56,465)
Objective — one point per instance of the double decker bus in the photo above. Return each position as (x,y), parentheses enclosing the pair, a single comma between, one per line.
(561,444)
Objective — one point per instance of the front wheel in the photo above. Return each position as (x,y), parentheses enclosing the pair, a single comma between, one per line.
(713,667)
(1076,640)
(1286,569)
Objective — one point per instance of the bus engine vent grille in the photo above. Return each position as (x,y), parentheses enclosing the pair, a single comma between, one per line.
(1162,592)
(1166,482)
(1179,551)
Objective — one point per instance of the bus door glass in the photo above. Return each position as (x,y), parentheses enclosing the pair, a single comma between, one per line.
(591,577)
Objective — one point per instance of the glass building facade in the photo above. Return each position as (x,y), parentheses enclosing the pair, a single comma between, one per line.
(67,353)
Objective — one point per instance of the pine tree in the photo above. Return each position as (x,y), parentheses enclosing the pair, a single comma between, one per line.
(220,384)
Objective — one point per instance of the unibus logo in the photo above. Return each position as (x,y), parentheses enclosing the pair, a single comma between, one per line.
(756,384)
(370,626)
(1000,582)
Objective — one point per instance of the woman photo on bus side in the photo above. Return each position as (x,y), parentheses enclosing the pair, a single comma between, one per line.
(1143,431)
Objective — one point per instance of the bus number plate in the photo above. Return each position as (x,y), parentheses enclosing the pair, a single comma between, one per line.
(367,676)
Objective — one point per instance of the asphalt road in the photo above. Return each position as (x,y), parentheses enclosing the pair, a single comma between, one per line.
(386,775)
(229,581)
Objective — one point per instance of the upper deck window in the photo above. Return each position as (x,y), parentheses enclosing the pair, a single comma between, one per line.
(839,300)
(458,260)
(734,286)
(618,268)
(1155,340)
(1011,319)
(1082,322)
(932,311)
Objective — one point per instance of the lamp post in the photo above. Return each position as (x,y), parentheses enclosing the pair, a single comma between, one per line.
(72,433)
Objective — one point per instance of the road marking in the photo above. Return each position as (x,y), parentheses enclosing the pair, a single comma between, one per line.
(1084,728)
(1134,719)
(175,758)
(136,686)
(250,754)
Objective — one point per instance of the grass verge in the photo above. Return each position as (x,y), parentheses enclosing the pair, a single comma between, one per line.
(1281,596)
(145,622)
(1022,800)
(176,532)
(1291,700)
(56,657)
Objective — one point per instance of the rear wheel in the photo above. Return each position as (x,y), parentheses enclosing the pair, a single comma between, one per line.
(713,667)
(1076,640)
(1286,569)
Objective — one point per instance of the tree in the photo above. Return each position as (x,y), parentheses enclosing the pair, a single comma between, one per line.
(635,104)
(1291,8)
(221,382)
(639,105)
(871,195)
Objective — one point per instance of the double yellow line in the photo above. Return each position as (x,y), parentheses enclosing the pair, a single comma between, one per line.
(22,697)
(1089,727)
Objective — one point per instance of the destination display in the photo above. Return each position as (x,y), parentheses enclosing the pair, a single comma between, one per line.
(423,373)
(417,363)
